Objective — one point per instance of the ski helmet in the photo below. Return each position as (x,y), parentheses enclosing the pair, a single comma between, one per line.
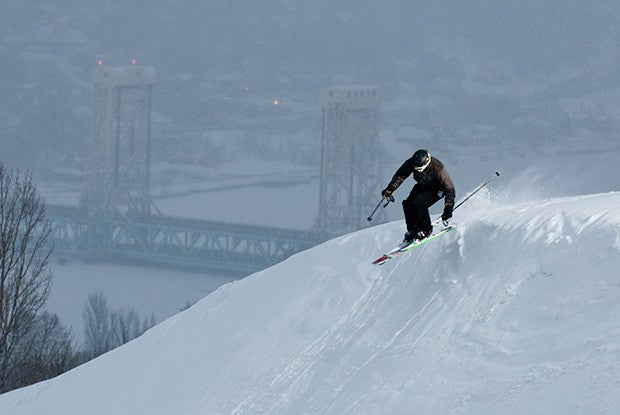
(421,160)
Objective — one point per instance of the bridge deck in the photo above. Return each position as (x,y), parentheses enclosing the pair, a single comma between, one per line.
(175,242)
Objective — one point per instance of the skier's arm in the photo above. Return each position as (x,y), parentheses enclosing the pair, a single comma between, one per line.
(400,176)
(449,192)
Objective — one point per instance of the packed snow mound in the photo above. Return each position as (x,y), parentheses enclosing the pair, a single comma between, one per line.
(516,311)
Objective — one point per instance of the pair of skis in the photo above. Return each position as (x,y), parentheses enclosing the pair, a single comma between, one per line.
(407,246)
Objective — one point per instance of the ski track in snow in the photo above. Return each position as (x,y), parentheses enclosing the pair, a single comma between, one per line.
(294,377)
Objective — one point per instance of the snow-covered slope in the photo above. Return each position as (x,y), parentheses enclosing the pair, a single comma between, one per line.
(515,312)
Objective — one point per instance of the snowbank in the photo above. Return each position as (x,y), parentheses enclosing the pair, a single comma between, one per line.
(514,312)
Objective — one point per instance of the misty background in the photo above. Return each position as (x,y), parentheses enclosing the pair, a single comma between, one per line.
(513,76)
(530,88)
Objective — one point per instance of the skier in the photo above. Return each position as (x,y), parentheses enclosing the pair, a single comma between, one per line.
(432,183)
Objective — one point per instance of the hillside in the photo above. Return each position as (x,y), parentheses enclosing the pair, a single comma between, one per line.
(514,312)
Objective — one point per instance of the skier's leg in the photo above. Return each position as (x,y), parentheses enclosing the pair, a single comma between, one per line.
(410,215)
(416,209)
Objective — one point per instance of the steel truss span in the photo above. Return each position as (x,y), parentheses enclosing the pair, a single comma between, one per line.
(178,243)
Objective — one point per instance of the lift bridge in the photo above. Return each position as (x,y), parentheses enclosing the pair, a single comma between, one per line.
(174,242)
(115,222)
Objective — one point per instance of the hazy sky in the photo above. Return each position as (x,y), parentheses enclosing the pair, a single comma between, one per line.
(525,70)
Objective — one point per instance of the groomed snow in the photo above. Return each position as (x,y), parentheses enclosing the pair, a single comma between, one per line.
(516,312)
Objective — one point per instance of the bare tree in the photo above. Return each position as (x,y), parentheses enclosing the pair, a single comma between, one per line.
(106,329)
(97,328)
(126,325)
(24,258)
(47,352)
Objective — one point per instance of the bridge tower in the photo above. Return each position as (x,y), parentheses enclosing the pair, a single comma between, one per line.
(350,171)
(117,177)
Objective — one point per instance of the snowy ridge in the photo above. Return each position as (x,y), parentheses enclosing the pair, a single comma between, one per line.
(514,312)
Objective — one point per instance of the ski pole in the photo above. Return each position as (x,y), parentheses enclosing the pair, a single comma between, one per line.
(476,190)
(390,198)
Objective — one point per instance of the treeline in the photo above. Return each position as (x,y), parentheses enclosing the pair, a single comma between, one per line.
(34,345)
(107,329)
(47,349)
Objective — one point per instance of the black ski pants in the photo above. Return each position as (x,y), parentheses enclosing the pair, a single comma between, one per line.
(416,208)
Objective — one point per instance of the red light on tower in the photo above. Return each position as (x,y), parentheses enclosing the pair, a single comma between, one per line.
(134,61)
(276,102)
(100,62)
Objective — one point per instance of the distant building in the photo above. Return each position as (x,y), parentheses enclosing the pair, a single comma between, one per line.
(350,171)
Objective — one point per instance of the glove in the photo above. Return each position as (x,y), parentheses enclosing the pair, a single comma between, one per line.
(386,193)
(447,214)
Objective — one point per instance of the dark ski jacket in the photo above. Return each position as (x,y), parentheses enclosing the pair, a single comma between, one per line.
(435,178)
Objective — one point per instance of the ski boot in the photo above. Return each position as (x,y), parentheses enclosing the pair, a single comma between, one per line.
(416,236)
